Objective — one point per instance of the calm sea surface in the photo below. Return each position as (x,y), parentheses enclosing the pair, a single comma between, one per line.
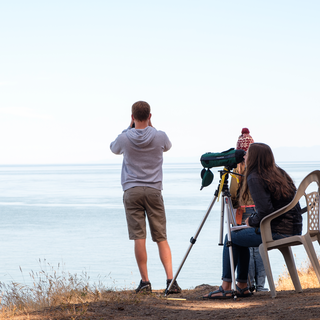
(71,218)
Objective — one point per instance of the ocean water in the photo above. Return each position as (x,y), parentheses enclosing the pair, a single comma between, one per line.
(71,218)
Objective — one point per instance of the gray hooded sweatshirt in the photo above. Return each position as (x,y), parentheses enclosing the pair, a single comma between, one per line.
(142,151)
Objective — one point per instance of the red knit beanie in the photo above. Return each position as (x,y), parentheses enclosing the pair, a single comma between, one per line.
(244,140)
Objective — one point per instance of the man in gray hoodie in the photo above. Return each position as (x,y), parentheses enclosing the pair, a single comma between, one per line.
(142,147)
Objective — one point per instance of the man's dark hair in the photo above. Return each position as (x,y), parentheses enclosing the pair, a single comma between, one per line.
(141,110)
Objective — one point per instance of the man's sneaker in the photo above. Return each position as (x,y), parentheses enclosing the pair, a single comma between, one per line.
(144,287)
(174,288)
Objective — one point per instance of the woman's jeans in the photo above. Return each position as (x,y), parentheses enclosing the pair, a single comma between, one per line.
(241,241)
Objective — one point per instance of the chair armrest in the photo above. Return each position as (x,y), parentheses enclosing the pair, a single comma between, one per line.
(265,223)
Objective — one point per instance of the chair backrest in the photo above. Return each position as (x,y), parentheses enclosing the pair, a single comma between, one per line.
(312,200)
(313,176)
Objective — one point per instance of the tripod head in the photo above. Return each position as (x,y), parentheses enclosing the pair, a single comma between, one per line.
(223,186)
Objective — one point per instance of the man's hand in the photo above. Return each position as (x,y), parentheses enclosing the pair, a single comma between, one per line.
(247,222)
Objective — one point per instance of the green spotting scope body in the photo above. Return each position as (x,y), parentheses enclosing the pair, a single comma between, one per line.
(229,158)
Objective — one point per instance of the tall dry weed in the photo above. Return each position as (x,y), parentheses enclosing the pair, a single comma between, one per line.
(307,276)
(50,287)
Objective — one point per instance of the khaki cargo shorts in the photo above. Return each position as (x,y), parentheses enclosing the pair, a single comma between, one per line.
(140,202)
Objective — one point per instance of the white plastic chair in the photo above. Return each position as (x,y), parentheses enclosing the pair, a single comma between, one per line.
(284,245)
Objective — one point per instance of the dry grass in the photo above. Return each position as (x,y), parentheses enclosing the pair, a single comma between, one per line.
(70,296)
(55,288)
(307,276)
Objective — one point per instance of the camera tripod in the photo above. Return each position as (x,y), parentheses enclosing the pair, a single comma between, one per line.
(226,203)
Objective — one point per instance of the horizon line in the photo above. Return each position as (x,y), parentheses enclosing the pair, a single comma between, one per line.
(120,162)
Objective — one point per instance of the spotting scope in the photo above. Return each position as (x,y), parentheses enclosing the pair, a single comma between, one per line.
(228,159)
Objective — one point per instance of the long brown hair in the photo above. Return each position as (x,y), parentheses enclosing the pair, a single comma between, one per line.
(261,160)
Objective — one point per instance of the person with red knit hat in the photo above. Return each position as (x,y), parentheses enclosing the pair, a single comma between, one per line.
(244,140)
(243,143)
(257,272)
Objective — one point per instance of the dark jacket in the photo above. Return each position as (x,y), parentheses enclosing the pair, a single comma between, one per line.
(289,223)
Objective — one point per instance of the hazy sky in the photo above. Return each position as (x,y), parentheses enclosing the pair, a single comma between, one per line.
(70,71)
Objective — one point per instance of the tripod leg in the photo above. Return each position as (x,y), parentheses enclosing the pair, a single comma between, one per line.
(192,242)
(227,201)
(231,211)
(251,285)
(221,224)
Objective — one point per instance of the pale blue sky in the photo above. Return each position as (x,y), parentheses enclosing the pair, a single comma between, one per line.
(70,71)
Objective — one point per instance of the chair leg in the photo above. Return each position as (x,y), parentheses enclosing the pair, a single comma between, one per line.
(308,245)
(267,267)
(288,257)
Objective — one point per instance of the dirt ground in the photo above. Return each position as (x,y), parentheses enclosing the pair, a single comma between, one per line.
(128,305)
